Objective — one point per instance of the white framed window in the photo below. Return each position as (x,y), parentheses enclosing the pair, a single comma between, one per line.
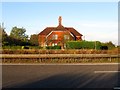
(66,37)
(54,44)
(55,37)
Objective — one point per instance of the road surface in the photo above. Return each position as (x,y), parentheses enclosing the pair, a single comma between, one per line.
(61,76)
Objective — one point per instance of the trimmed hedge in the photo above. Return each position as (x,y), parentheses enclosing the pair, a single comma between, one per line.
(53,47)
(83,45)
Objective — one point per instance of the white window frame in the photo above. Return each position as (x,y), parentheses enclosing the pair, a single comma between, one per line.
(55,37)
(66,37)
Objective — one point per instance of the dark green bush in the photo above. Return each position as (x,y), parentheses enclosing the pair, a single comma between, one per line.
(11,47)
(53,47)
(21,47)
(83,45)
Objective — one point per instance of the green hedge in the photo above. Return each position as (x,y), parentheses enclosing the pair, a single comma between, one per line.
(21,47)
(53,47)
(83,45)
(11,47)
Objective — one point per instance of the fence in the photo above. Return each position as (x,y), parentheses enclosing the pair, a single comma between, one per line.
(58,58)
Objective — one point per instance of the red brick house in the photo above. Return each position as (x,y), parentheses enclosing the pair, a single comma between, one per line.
(52,36)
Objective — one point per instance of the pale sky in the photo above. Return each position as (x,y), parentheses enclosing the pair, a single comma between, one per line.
(95,20)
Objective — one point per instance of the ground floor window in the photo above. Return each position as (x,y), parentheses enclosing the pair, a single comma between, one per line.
(54,44)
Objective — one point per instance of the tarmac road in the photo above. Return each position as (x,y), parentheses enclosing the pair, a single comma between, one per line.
(61,76)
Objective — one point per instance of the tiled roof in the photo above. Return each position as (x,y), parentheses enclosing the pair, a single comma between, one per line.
(47,30)
(73,31)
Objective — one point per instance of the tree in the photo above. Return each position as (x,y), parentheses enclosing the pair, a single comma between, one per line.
(34,39)
(3,37)
(109,44)
(19,33)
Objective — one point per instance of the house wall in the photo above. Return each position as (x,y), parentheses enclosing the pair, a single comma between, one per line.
(60,38)
(41,40)
(48,40)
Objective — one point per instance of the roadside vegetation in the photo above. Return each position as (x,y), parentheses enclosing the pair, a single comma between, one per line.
(65,51)
(63,60)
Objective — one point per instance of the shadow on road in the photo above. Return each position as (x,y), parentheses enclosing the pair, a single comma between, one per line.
(57,81)
(72,81)
(59,77)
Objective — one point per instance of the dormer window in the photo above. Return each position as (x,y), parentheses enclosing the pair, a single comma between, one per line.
(55,37)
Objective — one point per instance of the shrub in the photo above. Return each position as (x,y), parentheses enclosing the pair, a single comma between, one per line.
(104,47)
(11,47)
(53,47)
(58,51)
(83,45)
(25,47)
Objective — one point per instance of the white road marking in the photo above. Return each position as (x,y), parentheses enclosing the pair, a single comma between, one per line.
(106,71)
(116,87)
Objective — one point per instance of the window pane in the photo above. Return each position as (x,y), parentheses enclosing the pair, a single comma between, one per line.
(55,37)
(66,37)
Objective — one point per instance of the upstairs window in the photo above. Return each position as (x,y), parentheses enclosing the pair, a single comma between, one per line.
(66,37)
(55,37)
(54,44)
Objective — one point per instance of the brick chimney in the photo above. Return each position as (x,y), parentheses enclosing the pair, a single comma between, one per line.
(60,21)
(60,26)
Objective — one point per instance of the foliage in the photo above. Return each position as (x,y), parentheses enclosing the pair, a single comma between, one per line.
(89,45)
(3,37)
(83,45)
(109,44)
(19,33)
(53,47)
(37,50)
(11,47)
(65,60)
(20,47)
(14,39)
(34,39)
(104,47)
(16,42)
